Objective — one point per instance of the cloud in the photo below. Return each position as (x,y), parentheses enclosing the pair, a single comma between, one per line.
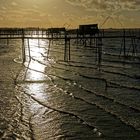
(106,5)
(14,3)
(3,8)
(24,17)
(108,12)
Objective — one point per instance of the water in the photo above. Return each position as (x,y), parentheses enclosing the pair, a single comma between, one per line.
(60,100)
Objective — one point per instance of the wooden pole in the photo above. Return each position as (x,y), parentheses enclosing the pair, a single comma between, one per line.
(65,49)
(29,50)
(124,47)
(69,50)
(48,49)
(7,40)
(123,44)
(38,37)
(23,47)
(38,42)
(90,42)
(42,33)
(67,56)
(77,36)
(99,52)
(96,49)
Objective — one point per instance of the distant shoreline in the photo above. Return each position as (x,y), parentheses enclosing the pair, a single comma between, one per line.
(36,28)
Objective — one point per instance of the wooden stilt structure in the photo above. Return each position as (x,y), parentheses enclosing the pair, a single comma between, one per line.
(28,40)
(67,49)
(48,52)
(23,47)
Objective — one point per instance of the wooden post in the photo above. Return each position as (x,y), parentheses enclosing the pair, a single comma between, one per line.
(134,51)
(77,37)
(99,52)
(85,42)
(90,41)
(38,37)
(29,50)
(48,49)
(67,49)
(23,47)
(7,40)
(69,57)
(94,41)
(42,33)
(96,49)
(31,33)
(124,47)
(47,33)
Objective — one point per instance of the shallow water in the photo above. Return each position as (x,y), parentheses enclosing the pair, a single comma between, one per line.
(74,100)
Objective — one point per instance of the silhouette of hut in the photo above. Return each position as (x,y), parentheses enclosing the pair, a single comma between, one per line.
(89,29)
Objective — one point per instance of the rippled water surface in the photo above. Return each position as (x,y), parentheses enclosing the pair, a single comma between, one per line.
(56,100)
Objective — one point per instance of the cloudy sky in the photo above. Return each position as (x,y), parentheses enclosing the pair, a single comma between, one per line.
(69,13)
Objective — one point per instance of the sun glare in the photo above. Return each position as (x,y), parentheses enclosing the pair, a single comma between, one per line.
(35,67)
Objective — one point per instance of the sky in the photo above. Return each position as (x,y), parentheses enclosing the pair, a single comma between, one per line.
(70,13)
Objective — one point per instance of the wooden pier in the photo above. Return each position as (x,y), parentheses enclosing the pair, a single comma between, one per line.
(86,38)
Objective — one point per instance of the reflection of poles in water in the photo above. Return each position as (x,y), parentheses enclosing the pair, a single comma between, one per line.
(29,51)
(38,42)
(133,44)
(48,49)
(7,40)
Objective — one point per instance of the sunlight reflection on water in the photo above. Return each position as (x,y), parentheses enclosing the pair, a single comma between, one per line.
(36,69)
(35,72)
